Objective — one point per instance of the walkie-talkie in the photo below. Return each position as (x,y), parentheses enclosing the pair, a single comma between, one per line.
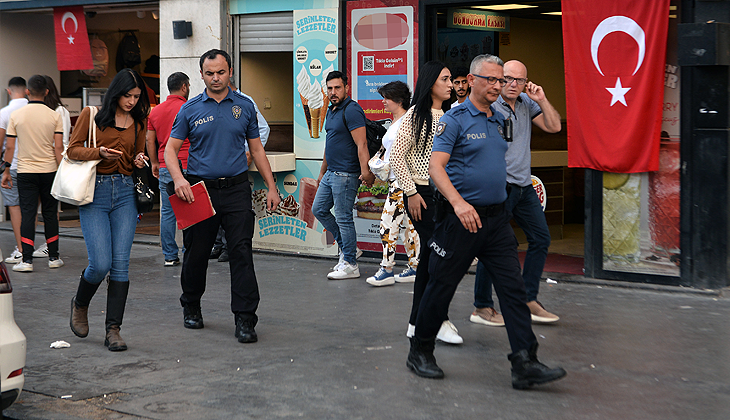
(508,130)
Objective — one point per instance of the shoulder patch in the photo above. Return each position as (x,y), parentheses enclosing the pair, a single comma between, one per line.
(236,110)
(440,128)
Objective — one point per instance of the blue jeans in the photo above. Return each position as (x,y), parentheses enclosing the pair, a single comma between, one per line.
(168,223)
(527,212)
(108,224)
(338,190)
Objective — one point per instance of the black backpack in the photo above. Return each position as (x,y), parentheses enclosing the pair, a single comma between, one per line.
(374,132)
(128,54)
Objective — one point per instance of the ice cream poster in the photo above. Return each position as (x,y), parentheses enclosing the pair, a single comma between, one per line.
(382,52)
(315,56)
(291,227)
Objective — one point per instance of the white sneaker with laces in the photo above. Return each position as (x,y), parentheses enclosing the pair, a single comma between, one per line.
(345,271)
(449,334)
(358,254)
(382,278)
(41,252)
(14,257)
(341,260)
(55,263)
(23,267)
(406,276)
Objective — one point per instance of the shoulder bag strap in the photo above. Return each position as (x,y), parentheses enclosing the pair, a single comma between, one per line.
(92,126)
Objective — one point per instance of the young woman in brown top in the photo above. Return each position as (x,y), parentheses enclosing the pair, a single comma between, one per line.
(108,223)
(409,161)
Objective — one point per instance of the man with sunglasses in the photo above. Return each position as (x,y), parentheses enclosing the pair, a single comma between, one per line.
(469,169)
(524,109)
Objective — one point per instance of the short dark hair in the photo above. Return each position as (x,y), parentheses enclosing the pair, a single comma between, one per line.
(37,85)
(397,92)
(212,54)
(337,75)
(459,72)
(176,81)
(17,82)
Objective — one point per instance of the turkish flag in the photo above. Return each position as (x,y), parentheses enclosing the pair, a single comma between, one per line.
(72,41)
(614,81)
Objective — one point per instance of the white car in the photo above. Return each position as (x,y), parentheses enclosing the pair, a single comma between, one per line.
(12,344)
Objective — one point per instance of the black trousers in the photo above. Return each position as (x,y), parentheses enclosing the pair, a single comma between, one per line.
(30,187)
(424,227)
(233,212)
(453,249)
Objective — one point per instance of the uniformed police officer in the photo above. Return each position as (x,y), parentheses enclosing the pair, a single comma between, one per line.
(472,222)
(218,123)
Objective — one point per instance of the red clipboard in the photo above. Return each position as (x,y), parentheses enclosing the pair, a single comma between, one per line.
(188,214)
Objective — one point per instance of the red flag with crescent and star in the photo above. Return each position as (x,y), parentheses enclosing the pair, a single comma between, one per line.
(615,54)
(72,41)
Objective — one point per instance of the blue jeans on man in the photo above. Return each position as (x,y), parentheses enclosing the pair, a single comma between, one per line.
(338,190)
(168,222)
(525,207)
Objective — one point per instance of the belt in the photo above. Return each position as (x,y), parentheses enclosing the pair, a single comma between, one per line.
(220,182)
(483,211)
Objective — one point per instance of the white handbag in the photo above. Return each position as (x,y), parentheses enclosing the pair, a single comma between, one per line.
(75,179)
(379,167)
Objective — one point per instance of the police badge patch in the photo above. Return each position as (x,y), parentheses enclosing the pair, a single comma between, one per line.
(440,128)
(236,111)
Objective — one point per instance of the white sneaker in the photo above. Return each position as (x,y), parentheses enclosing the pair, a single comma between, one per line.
(358,254)
(345,271)
(406,276)
(41,252)
(382,278)
(23,267)
(411,331)
(339,263)
(55,263)
(15,257)
(449,334)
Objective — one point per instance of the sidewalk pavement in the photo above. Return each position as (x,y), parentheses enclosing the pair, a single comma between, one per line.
(337,350)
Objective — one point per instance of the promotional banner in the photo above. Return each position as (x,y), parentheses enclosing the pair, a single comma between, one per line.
(614,76)
(381,52)
(315,56)
(72,41)
(291,227)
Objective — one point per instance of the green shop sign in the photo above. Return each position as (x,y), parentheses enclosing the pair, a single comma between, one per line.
(479,20)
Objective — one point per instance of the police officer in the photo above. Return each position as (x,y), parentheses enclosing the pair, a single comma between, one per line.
(218,124)
(472,222)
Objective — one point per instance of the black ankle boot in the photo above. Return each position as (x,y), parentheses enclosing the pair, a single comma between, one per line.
(528,371)
(245,332)
(116,299)
(80,307)
(421,360)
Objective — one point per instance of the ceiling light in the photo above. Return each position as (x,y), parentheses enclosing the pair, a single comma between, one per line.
(553,13)
(505,7)
(155,15)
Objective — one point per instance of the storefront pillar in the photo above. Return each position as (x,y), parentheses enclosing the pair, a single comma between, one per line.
(704,56)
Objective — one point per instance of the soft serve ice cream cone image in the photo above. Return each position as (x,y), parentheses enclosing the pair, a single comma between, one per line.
(315,106)
(303,88)
(325,98)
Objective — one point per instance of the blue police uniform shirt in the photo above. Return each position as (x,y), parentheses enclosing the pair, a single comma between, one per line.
(340,149)
(477,167)
(218,134)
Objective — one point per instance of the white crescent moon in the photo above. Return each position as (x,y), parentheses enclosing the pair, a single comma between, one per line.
(69,15)
(618,24)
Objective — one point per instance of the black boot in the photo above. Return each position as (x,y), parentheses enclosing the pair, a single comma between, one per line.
(80,307)
(421,359)
(116,299)
(245,332)
(528,371)
(192,316)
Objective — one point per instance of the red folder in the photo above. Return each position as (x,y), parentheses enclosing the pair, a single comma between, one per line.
(188,214)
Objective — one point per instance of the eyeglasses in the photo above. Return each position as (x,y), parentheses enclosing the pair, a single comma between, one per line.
(490,79)
(511,79)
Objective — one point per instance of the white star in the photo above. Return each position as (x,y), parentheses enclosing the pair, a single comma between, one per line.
(618,92)
(71,39)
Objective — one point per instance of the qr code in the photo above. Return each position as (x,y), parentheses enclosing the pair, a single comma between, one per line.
(368,63)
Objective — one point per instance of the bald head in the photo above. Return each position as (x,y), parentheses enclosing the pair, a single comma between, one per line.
(513,69)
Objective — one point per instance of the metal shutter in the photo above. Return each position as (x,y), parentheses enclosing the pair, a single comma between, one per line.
(266,32)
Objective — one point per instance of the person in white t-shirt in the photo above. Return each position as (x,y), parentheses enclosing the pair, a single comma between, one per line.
(396,100)
(461,86)
(16,92)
